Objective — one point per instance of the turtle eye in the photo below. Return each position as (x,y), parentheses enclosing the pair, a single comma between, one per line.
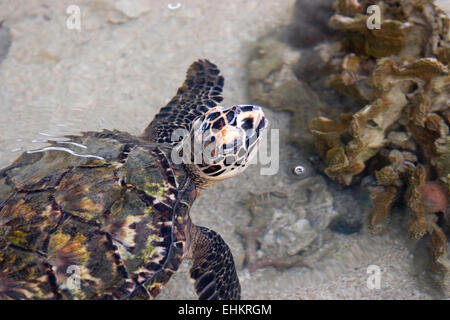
(219,124)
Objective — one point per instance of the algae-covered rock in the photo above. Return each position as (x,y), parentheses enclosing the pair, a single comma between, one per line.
(273,83)
(287,224)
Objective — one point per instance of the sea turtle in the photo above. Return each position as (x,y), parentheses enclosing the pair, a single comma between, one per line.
(113,222)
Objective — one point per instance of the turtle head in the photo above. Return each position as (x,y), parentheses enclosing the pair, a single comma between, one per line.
(224,141)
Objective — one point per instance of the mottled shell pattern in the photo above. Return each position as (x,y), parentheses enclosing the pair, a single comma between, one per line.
(109,221)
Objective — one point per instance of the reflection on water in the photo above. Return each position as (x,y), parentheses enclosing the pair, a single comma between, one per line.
(66,150)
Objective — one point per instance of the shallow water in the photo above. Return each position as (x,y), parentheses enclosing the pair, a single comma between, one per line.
(125,63)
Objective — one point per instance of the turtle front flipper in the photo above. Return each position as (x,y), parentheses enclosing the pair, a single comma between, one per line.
(201,91)
(213,266)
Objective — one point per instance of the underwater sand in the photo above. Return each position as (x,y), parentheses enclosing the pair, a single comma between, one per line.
(127,62)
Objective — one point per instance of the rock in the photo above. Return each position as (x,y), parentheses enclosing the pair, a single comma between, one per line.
(273,83)
(310,23)
(305,235)
(284,227)
(352,212)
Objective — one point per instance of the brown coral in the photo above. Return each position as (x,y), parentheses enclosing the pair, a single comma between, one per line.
(401,74)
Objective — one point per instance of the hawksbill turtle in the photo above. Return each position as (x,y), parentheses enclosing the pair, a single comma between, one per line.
(114,224)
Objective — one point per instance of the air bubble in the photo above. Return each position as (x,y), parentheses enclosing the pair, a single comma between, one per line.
(299,170)
(175,6)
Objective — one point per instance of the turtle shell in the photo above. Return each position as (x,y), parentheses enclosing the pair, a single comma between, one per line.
(108,224)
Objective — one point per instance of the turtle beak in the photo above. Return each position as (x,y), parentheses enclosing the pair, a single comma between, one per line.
(261,122)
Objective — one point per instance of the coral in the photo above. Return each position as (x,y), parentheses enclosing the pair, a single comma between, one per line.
(368,128)
(400,72)
(377,43)
(382,200)
(442,162)
(380,109)
(433,197)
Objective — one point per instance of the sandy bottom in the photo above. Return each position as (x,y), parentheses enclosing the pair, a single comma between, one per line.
(123,65)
